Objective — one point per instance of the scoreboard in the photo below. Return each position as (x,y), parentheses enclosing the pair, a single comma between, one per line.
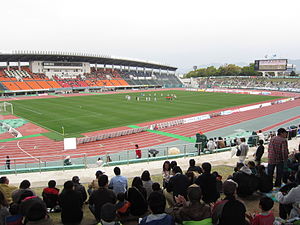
(271,65)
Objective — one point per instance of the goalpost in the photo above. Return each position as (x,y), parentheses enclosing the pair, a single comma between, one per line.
(6,108)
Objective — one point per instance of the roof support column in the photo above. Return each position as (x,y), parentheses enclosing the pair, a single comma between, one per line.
(159,71)
(137,69)
(19,65)
(96,66)
(167,72)
(144,70)
(128,68)
(7,66)
(113,67)
(104,67)
(121,68)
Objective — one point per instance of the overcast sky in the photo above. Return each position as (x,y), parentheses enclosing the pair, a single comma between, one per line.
(175,32)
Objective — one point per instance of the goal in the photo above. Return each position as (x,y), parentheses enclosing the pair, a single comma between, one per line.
(6,108)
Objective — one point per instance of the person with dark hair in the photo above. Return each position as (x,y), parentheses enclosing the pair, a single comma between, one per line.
(6,189)
(219,181)
(259,152)
(3,209)
(266,216)
(194,209)
(179,183)
(191,176)
(193,167)
(50,196)
(265,184)
(16,194)
(278,155)
(208,184)
(157,205)
(220,143)
(94,184)
(71,204)
(244,148)
(230,210)
(109,214)
(7,162)
(156,187)
(166,173)
(123,206)
(137,196)
(138,152)
(252,167)
(79,188)
(173,164)
(201,141)
(118,183)
(101,196)
(147,182)
(15,218)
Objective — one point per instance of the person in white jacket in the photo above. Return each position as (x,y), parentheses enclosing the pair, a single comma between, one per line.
(292,197)
(211,145)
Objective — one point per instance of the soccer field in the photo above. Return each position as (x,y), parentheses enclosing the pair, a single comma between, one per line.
(97,112)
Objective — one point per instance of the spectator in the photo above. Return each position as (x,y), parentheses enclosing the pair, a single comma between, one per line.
(201,141)
(15,218)
(221,143)
(208,184)
(123,206)
(3,209)
(6,189)
(247,182)
(24,186)
(278,155)
(37,214)
(147,182)
(101,196)
(191,176)
(193,167)
(194,210)
(138,152)
(156,187)
(265,182)
(211,145)
(108,214)
(7,162)
(219,181)
(166,173)
(261,136)
(118,183)
(99,162)
(67,161)
(79,188)
(173,164)
(71,204)
(157,205)
(137,196)
(259,152)
(50,196)
(230,210)
(244,148)
(94,184)
(266,216)
(178,183)
(252,167)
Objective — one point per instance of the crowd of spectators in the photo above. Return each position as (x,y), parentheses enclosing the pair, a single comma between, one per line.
(196,195)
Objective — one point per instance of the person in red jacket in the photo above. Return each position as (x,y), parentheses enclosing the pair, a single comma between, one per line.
(138,152)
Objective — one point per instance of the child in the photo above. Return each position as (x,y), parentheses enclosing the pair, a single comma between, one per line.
(122,205)
(266,216)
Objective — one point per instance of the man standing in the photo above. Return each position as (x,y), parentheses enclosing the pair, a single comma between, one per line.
(278,155)
(7,162)
(201,141)
(118,183)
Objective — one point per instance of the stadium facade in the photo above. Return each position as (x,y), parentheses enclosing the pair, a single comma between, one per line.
(30,72)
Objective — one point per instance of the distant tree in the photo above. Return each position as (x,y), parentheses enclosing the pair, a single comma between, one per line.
(293,73)
(249,71)
(229,70)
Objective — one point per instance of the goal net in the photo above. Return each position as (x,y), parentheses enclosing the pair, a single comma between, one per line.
(6,108)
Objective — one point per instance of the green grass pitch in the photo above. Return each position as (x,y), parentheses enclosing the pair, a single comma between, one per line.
(97,112)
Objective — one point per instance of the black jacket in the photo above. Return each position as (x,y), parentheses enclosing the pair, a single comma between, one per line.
(178,184)
(208,184)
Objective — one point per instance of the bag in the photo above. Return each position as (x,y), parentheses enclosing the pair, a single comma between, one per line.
(238,152)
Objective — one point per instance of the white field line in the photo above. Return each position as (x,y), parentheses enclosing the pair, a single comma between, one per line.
(31,110)
(26,152)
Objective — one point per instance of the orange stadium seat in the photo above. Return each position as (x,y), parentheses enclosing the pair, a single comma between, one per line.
(11,86)
(34,85)
(23,85)
(53,84)
(44,84)
(123,82)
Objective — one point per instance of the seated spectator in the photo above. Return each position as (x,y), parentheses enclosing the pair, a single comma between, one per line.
(230,210)
(259,152)
(108,215)
(71,204)
(265,182)
(166,173)
(15,218)
(137,196)
(156,187)
(122,205)
(3,209)
(211,145)
(219,181)
(6,189)
(252,167)
(101,196)
(79,188)
(37,213)
(67,161)
(179,183)
(147,182)
(173,164)
(208,184)
(193,167)
(94,184)
(191,176)
(24,186)
(247,182)
(50,195)
(118,183)
(194,209)
(220,143)
(266,216)
(157,205)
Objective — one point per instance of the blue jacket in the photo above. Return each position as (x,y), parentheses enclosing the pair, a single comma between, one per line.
(158,219)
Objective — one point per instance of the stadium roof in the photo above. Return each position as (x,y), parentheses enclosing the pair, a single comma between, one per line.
(76,57)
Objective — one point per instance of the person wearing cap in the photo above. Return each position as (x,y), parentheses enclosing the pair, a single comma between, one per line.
(79,188)
(278,155)
(194,209)
(229,210)
(94,184)
(101,196)
(71,204)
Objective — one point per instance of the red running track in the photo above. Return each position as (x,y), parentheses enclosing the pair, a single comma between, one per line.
(42,146)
